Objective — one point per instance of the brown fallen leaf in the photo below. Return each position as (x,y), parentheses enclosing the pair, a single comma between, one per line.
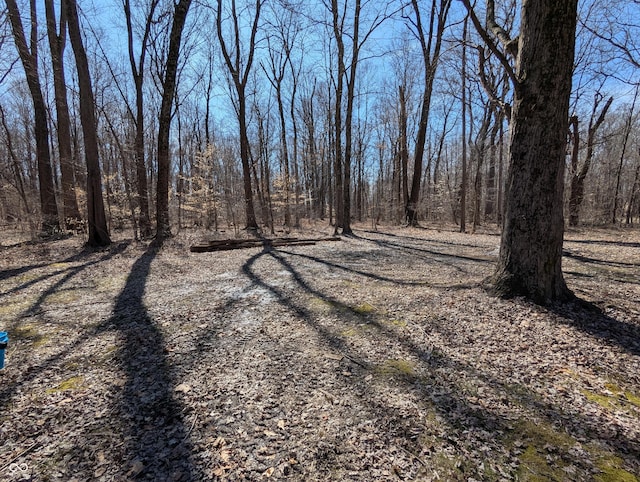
(225,455)
(183,387)
(269,472)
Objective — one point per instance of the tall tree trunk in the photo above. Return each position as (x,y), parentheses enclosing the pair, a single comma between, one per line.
(530,260)
(578,175)
(490,182)
(430,58)
(29,58)
(16,166)
(240,75)
(137,70)
(56,44)
(338,169)
(623,153)
(633,197)
(96,219)
(463,182)
(163,229)
(403,147)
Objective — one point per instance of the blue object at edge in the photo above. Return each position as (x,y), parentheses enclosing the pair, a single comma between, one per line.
(4,340)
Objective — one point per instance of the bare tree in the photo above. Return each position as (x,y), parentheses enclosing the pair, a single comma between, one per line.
(347,74)
(181,9)
(623,152)
(579,173)
(29,57)
(96,218)
(137,64)
(465,108)
(530,259)
(57,43)
(240,67)
(430,45)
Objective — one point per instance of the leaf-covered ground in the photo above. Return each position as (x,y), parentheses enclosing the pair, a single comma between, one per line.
(378,357)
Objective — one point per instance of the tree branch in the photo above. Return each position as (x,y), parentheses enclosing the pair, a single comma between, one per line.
(491,44)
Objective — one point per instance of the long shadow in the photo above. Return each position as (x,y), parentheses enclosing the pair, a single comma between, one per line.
(70,272)
(9,390)
(151,417)
(590,319)
(6,274)
(374,276)
(423,240)
(424,251)
(626,244)
(589,260)
(451,402)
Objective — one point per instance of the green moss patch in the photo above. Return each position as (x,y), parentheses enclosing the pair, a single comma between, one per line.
(59,266)
(606,401)
(535,468)
(398,323)
(364,309)
(546,454)
(615,398)
(612,471)
(320,305)
(28,333)
(394,368)
(63,297)
(349,332)
(14,308)
(73,383)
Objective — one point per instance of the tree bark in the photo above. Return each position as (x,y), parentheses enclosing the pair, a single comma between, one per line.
(29,58)
(530,259)
(96,218)
(57,44)
(578,176)
(137,70)
(463,182)
(430,58)
(240,76)
(163,228)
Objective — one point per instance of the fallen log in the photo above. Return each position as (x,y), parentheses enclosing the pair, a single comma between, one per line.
(207,246)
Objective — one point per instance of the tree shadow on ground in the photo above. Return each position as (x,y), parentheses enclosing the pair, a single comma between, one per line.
(592,320)
(627,244)
(69,272)
(589,260)
(442,390)
(147,418)
(151,419)
(422,250)
(10,389)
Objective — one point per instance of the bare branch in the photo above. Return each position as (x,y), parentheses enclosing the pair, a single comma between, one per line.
(491,44)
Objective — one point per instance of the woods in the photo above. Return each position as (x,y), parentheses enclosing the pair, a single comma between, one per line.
(320,240)
(339,112)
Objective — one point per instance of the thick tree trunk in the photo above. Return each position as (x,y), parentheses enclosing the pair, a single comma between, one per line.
(29,58)
(530,260)
(163,229)
(96,218)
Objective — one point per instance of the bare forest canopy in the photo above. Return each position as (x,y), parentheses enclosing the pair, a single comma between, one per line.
(263,113)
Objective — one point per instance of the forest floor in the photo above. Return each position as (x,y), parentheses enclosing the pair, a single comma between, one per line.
(374,358)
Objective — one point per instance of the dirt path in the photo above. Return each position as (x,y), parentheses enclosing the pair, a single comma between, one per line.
(374,358)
